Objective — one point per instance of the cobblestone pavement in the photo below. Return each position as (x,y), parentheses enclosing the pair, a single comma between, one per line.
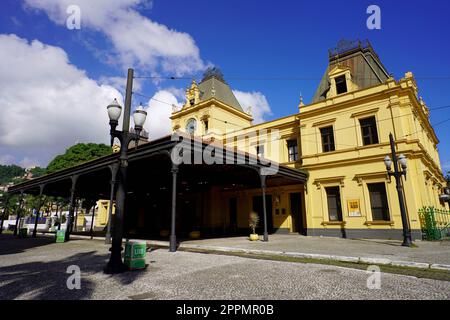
(429,252)
(36,269)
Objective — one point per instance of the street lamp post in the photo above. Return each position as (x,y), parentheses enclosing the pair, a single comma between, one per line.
(115,264)
(397,174)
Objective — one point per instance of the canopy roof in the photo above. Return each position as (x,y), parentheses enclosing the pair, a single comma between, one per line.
(149,167)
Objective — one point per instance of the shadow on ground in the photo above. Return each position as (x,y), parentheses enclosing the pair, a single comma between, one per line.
(10,244)
(47,280)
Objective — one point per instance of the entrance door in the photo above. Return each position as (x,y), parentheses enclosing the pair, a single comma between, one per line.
(259,209)
(298,222)
(232,205)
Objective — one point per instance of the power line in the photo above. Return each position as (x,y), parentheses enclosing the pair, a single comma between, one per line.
(433,125)
(152,98)
(438,108)
(163,77)
(315,133)
(275,78)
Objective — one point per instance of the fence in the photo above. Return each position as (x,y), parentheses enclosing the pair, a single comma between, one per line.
(435,223)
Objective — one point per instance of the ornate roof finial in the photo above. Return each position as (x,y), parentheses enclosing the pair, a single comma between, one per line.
(249,110)
(213,89)
(301,104)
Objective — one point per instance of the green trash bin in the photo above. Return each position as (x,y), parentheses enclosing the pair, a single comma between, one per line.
(23,232)
(135,252)
(60,236)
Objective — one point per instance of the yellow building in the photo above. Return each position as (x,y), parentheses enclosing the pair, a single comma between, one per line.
(340,139)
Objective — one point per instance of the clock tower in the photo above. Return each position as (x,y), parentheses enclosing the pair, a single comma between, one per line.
(211,109)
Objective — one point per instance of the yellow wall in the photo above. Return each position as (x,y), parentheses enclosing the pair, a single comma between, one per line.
(397,110)
(102,213)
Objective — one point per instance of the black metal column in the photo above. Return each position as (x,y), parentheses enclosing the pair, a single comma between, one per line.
(75,216)
(114,169)
(60,215)
(5,213)
(40,203)
(16,227)
(173,237)
(69,219)
(115,263)
(56,211)
(263,188)
(92,221)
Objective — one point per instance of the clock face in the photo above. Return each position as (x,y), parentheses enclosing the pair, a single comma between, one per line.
(191,126)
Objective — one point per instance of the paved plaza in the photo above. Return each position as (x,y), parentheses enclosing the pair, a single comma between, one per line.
(37,269)
(424,251)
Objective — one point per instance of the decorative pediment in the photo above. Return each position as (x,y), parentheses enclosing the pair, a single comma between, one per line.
(371,176)
(337,71)
(332,180)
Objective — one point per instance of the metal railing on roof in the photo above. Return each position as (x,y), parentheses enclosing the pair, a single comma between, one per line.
(345,46)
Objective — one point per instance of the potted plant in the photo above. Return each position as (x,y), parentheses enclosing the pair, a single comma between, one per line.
(194,234)
(253,221)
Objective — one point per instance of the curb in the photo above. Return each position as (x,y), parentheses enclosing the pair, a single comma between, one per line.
(365,260)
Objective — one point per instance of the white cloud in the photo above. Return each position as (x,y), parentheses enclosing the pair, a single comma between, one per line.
(258,103)
(446,166)
(159,110)
(6,159)
(47,103)
(29,163)
(120,83)
(137,40)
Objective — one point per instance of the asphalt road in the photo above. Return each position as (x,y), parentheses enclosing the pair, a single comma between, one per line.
(37,269)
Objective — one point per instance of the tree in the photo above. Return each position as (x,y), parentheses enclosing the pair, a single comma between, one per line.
(9,172)
(38,171)
(78,154)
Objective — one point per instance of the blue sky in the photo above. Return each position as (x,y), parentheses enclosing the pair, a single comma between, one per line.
(249,40)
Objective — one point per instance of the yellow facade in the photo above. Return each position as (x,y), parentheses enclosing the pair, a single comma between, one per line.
(218,116)
(354,166)
(101,214)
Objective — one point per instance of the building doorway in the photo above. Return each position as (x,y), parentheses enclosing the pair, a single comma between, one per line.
(187,217)
(298,220)
(259,209)
(232,205)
